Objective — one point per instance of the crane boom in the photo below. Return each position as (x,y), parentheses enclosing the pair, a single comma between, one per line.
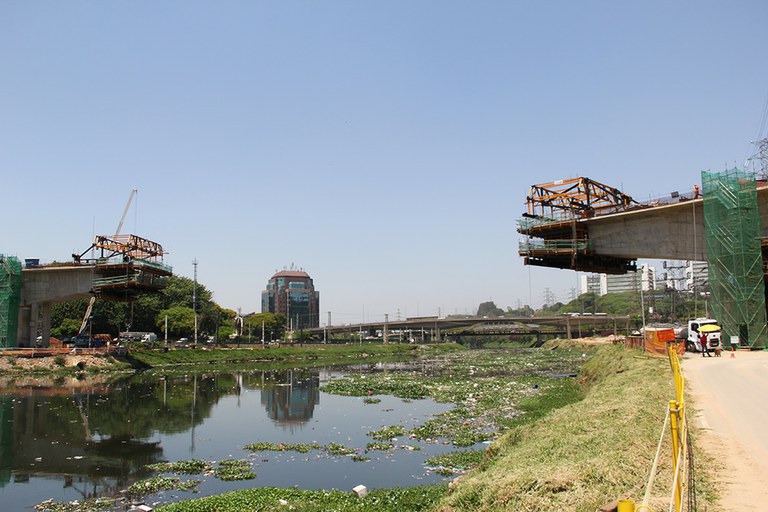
(87,316)
(125,212)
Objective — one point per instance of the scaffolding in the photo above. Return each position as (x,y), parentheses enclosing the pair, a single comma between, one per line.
(732,226)
(10,297)
(555,235)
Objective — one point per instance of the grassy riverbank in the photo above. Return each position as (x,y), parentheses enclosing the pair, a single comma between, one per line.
(576,457)
(583,455)
(219,358)
(343,354)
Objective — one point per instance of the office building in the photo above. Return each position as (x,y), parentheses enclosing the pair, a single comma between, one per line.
(292,293)
(644,278)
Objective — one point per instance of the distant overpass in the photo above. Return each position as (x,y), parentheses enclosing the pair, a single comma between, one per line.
(437,329)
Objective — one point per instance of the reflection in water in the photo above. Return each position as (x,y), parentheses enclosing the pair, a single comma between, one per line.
(290,396)
(70,440)
(97,439)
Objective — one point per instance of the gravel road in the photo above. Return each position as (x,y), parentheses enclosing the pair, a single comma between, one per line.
(729,397)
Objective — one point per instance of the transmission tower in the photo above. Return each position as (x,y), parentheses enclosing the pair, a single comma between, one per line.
(549,297)
(762,154)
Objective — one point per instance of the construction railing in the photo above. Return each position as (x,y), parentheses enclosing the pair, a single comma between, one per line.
(675,419)
(553,245)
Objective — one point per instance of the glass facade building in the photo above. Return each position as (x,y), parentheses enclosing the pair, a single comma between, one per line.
(292,294)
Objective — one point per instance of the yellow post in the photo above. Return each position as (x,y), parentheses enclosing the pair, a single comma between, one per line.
(626,506)
(674,421)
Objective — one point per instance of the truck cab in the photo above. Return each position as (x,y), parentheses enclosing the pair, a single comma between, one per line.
(692,343)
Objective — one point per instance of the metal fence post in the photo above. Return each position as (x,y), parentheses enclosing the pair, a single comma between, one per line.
(674,421)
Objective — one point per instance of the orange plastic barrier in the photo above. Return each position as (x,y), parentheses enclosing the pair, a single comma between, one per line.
(657,339)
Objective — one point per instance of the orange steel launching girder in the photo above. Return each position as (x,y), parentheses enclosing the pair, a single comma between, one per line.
(578,195)
(128,245)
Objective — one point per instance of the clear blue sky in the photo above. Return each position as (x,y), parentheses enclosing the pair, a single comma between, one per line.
(385,147)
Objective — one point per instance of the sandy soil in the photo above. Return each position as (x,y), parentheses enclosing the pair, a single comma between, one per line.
(728,394)
(16,364)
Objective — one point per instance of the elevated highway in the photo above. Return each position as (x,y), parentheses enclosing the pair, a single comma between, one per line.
(438,329)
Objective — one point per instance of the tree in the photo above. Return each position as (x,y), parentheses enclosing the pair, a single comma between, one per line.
(523,311)
(274,325)
(112,317)
(67,327)
(181,321)
(551,309)
(489,309)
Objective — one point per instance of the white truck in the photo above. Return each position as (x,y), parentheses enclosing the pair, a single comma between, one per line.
(692,343)
(149,337)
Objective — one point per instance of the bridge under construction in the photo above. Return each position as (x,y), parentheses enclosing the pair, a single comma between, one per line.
(584,225)
(120,268)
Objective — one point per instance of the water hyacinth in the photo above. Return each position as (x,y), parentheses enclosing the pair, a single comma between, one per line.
(229,470)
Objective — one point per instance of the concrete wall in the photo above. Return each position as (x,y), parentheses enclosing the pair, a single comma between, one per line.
(40,289)
(674,232)
(671,232)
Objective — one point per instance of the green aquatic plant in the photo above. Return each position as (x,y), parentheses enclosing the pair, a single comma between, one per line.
(160,483)
(378,445)
(229,470)
(87,505)
(186,467)
(457,461)
(338,449)
(282,447)
(387,432)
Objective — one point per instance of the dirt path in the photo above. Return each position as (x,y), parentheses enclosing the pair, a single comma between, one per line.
(729,395)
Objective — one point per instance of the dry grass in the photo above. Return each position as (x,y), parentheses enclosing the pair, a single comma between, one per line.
(583,455)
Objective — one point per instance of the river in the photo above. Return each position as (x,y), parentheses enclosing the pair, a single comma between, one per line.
(75,439)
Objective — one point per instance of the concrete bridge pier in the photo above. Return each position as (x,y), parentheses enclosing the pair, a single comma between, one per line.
(34,318)
(41,288)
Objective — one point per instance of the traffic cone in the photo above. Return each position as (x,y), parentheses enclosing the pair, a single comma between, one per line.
(733,351)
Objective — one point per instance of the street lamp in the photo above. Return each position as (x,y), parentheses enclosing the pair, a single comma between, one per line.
(705,296)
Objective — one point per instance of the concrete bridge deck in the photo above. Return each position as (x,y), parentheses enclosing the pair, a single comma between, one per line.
(673,231)
(440,327)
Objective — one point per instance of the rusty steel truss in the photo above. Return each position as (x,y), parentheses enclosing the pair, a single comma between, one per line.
(129,266)
(581,196)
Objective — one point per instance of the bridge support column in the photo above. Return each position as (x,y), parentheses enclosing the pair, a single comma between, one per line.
(386,328)
(568,327)
(46,324)
(22,333)
(33,318)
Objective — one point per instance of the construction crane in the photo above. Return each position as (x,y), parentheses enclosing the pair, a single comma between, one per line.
(125,212)
(114,244)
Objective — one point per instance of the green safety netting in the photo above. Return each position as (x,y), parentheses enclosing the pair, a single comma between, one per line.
(10,295)
(734,256)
